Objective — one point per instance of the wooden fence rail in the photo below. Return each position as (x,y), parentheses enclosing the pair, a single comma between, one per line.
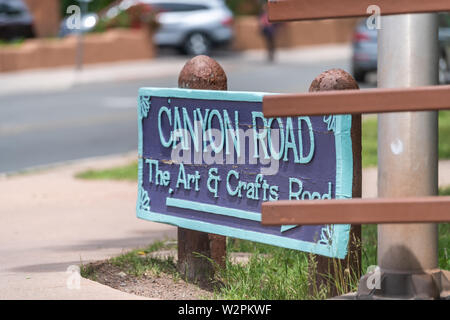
(357,101)
(357,211)
(289,10)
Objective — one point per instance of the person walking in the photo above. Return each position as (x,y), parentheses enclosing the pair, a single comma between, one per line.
(268,31)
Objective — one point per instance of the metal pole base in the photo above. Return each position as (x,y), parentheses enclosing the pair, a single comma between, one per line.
(429,285)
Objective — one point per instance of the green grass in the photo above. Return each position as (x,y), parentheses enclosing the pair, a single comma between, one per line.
(444,246)
(444,134)
(138,262)
(444,238)
(12,43)
(128,172)
(88,271)
(444,191)
(271,273)
(369,142)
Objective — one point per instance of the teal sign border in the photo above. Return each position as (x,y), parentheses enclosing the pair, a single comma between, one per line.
(336,237)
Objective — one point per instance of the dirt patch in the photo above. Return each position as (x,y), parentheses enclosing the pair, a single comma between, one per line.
(162,286)
(155,285)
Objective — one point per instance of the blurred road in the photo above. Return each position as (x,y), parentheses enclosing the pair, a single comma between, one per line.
(44,120)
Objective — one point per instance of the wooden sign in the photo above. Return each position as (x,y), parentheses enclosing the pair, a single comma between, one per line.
(290,10)
(209,159)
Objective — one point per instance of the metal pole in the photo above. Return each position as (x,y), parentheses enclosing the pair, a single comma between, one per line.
(407,147)
(80,46)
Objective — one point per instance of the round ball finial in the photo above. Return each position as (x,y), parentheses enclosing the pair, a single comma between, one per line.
(202,72)
(334,79)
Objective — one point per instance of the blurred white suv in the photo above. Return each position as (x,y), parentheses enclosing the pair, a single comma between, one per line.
(193,26)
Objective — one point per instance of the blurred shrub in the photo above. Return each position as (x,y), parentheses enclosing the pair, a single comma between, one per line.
(245,7)
(94,6)
(138,16)
(14,42)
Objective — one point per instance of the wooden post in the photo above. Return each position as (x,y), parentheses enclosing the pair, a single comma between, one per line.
(197,249)
(327,271)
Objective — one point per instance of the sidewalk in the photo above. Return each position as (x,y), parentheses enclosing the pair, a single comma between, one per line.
(58,79)
(42,80)
(50,221)
(370,178)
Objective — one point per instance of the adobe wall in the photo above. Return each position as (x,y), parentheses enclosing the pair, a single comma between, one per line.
(293,34)
(113,45)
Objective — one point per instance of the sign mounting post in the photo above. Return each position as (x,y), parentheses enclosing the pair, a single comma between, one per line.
(407,148)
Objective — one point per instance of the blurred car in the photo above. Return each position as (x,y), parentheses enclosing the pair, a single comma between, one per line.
(365,49)
(16,21)
(192,26)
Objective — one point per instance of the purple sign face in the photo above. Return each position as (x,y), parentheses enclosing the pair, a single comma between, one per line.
(208,159)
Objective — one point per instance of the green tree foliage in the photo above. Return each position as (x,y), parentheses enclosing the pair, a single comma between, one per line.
(245,7)
(94,6)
